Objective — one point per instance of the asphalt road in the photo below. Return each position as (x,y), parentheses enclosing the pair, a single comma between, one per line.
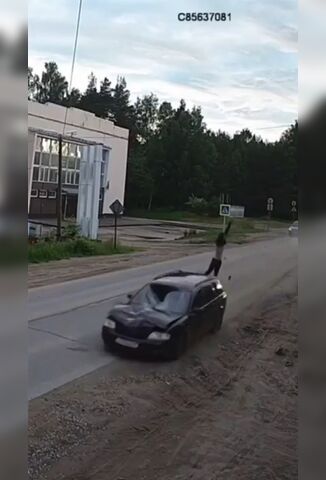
(65,320)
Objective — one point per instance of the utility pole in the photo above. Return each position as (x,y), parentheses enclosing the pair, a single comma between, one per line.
(59,191)
(294,210)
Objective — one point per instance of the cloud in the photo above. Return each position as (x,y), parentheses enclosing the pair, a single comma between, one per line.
(250,62)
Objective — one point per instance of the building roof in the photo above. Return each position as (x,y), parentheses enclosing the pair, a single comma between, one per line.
(66,138)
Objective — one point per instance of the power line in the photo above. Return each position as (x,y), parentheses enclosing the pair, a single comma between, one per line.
(73,59)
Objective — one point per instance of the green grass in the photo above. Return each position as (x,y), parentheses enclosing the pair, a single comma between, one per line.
(185,216)
(242,229)
(174,216)
(80,247)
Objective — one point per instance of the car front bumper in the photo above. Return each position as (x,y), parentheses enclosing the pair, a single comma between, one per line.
(110,338)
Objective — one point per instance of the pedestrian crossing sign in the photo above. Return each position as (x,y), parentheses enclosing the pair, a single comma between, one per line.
(225,210)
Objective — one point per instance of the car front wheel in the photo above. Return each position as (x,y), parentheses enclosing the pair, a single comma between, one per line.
(217,325)
(109,345)
(178,347)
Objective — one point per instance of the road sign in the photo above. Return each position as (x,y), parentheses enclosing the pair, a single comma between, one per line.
(294,203)
(116,207)
(237,211)
(225,210)
(270,207)
(294,209)
(270,200)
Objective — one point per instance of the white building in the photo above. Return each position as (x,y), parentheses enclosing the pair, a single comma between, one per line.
(45,123)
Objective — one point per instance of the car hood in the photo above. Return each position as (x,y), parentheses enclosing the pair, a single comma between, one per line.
(140,315)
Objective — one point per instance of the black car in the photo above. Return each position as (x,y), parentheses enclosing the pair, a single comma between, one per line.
(167,314)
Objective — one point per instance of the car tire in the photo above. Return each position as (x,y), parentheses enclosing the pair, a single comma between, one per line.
(217,326)
(179,347)
(109,346)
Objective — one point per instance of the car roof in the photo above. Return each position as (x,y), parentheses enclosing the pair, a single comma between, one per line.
(185,280)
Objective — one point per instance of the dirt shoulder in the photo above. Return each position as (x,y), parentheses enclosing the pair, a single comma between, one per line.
(227,410)
(74,268)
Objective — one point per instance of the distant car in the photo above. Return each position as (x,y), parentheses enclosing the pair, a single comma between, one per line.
(294,229)
(167,315)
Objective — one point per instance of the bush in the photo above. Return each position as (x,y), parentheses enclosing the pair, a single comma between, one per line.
(71,231)
(197,205)
(45,251)
(213,207)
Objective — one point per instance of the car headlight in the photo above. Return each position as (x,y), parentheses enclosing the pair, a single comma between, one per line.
(110,324)
(159,336)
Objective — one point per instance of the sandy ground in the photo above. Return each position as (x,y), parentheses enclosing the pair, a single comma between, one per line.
(227,410)
(73,268)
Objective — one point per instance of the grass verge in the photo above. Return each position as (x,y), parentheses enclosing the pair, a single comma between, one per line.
(185,216)
(241,231)
(173,216)
(80,247)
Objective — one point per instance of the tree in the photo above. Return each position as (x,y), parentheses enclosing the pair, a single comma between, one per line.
(165,113)
(122,111)
(106,99)
(33,84)
(90,100)
(173,157)
(73,98)
(146,112)
(52,87)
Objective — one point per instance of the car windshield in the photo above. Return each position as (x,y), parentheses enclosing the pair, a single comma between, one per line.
(163,298)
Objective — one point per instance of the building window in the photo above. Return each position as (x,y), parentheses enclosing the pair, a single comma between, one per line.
(54,160)
(53,175)
(72,163)
(43,194)
(46,161)
(36,172)
(34,193)
(52,195)
(37,158)
(44,174)
(104,167)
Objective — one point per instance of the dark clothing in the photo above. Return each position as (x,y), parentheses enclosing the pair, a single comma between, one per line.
(216,262)
(215,266)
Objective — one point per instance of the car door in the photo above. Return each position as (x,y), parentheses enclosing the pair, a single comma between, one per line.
(202,311)
(219,302)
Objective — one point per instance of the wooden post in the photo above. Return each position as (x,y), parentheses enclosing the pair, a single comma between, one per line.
(115,230)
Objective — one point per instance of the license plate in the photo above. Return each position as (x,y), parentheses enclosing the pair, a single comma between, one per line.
(126,343)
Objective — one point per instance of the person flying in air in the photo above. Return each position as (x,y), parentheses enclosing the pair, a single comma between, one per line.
(220,243)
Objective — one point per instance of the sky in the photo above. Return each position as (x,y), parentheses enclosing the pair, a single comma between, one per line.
(243,72)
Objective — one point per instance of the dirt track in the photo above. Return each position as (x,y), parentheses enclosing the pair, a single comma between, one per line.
(225,411)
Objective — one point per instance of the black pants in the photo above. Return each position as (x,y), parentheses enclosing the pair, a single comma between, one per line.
(215,266)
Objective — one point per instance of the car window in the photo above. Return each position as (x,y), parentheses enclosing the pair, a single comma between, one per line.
(203,297)
(163,298)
